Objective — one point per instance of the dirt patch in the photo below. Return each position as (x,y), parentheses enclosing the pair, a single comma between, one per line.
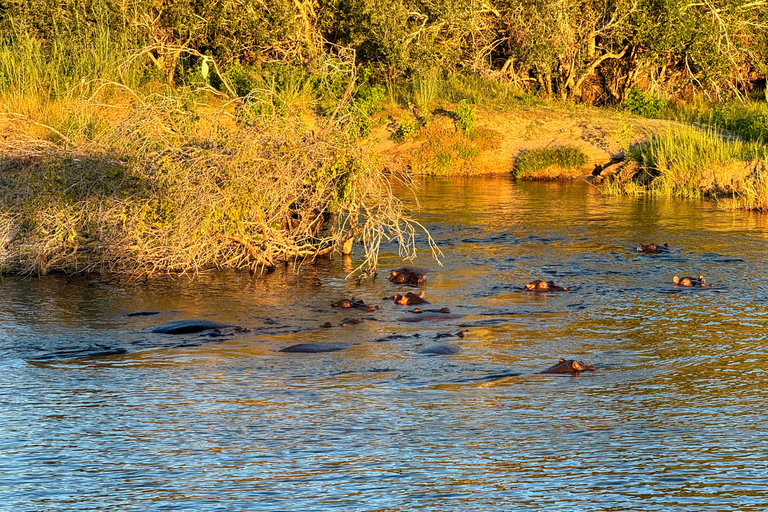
(603,135)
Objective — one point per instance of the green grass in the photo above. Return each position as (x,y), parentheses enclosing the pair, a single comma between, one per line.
(549,163)
(748,120)
(687,160)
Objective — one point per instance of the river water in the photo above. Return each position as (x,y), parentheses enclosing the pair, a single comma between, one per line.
(98,413)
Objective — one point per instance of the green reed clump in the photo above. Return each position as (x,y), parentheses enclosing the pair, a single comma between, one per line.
(748,120)
(690,161)
(550,163)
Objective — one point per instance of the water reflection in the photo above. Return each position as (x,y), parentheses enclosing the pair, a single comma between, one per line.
(99,413)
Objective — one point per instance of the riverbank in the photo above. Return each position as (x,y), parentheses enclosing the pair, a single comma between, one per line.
(716,151)
(146,184)
(501,136)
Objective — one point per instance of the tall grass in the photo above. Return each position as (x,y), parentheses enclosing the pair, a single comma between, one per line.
(746,120)
(689,161)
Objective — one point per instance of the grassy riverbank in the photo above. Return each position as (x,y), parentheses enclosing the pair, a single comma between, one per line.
(143,182)
(140,183)
(143,139)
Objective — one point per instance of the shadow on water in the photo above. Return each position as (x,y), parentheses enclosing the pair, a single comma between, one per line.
(102,412)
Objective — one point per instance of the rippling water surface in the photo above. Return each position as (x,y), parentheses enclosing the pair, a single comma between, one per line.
(98,413)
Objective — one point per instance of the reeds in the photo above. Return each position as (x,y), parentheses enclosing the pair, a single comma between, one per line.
(690,162)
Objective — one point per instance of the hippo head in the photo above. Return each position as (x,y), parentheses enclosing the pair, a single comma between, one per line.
(410,298)
(688,281)
(537,285)
(408,275)
(569,366)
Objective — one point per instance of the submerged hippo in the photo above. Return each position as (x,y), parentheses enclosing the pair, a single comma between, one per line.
(569,366)
(353,304)
(440,349)
(544,286)
(315,348)
(653,248)
(410,298)
(408,275)
(689,281)
(187,327)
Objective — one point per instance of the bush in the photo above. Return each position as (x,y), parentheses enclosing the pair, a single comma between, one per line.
(465,116)
(406,129)
(642,104)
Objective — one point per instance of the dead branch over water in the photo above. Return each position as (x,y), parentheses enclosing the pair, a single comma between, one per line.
(177,187)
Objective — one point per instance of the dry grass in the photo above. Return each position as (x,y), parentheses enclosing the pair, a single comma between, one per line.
(170,185)
(441,149)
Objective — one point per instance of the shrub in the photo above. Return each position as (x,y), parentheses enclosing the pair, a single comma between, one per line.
(642,104)
(465,116)
(406,129)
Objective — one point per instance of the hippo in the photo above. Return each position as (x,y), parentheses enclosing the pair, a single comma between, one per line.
(544,286)
(653,248)
(315,348)
(569,366)
(689,281)
(410,298)
(187,327)
(440,350)
(353,304)
(408,275)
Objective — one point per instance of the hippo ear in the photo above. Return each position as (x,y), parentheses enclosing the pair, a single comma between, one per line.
(676,279)
(561,360)
(421,293)
(701,278)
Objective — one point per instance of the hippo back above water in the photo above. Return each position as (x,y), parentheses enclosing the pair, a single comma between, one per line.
(187,327)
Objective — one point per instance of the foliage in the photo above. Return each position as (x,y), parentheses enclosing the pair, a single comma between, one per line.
(747,120)
(690,162)
(589,50)
(643,104)
(550,163)
(176,186)
(465,116)
(406,128)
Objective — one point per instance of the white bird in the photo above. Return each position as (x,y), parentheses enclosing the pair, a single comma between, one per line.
(204,68)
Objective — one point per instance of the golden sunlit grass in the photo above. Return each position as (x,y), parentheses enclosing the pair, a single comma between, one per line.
(166,183)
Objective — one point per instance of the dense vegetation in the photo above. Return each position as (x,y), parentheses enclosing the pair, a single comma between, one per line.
(144,137)
(591,50)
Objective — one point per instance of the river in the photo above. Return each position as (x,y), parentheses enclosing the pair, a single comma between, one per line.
(98,413)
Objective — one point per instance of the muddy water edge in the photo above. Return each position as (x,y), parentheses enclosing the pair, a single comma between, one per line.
(98,413)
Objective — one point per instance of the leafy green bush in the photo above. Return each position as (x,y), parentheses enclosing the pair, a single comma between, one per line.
(465,116)
(642,104)
(406,129)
